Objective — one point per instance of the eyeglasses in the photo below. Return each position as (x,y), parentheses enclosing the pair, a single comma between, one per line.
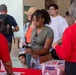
(34,39)
(52,9)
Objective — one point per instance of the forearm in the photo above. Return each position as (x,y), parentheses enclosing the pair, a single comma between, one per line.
(15,29)
(8,67)
(41,52)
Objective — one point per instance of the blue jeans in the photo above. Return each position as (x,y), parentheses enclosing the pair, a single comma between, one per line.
(28,58)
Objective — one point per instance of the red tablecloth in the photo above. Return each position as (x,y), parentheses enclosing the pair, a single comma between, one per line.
(24,70)
(27,71)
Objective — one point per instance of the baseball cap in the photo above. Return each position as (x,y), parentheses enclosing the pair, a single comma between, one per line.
(3,7)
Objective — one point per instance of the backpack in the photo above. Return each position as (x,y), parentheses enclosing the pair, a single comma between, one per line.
(4,26)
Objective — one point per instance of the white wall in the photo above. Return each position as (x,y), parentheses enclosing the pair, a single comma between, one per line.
(63,6)
(15,8)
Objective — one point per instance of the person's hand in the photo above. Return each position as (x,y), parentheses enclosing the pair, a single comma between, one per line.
(13,29)
(23,43)
(59,41)
(11,73)
(53,45)
(28,51)
(35,56)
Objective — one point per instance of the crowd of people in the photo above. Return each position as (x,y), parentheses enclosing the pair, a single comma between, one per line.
(45,32)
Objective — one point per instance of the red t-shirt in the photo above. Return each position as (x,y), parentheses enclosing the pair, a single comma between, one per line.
(4,51)
(67,51)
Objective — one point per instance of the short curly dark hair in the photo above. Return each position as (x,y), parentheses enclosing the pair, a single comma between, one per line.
(22,55)
(54,5)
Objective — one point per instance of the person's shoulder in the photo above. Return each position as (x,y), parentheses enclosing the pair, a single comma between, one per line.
(26,24)
(61,17)
(48,28)
(71,28)
(2,37)
(10,17)
(62,20)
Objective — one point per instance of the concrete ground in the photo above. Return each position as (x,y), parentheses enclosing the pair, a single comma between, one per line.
(14,54)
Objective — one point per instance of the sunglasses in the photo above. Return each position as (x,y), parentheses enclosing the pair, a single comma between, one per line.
(34,39)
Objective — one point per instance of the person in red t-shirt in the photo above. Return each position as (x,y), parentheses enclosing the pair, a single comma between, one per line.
(4,55)
(67,51)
